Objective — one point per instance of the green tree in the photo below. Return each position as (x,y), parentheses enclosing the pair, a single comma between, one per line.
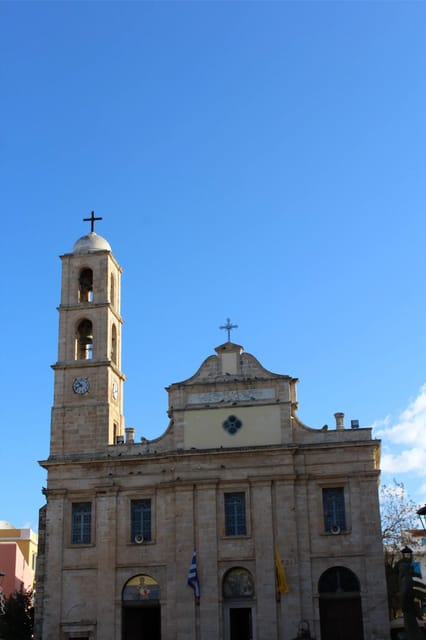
(16,623)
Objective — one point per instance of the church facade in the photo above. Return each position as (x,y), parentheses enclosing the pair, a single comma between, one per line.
(238,523)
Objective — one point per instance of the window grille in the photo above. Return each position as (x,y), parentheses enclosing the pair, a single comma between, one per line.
(81,528)
(235,514)
(141,519)
(333,500)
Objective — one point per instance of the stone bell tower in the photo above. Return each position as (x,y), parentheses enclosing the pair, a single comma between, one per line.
(87,412)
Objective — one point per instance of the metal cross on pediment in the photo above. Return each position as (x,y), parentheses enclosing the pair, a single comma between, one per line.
(92,220)
(228,327)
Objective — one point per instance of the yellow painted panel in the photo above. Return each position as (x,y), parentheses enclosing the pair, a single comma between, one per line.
(260,425)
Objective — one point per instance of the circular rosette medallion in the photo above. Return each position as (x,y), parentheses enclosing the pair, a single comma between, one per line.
(232,425)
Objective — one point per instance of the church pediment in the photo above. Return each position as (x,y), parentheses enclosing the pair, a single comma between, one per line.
(230,365)
(231,401)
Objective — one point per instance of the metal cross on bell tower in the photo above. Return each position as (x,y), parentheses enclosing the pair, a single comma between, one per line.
(228,327)
(92,220)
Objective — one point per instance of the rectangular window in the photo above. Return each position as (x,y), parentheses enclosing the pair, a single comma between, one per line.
(81,527)
(235,514)
(140,520)
(333,501)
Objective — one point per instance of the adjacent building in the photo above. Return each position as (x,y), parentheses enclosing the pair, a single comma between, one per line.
(417,542)
(238,523)
(18,555)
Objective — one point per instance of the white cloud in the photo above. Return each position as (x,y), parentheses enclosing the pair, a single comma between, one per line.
(406,460)
(411,426)
(404,444)
(381,423)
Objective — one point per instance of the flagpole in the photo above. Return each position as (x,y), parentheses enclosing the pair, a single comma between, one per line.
(196,597)
(194,569)
(278,598)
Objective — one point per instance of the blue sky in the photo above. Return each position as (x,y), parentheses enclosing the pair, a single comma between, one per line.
(263,161)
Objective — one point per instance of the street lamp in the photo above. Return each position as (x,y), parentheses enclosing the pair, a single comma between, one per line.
(422,516)
(407,554)
(406,594)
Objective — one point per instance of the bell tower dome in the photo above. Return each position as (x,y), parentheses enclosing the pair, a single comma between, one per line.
(87,412)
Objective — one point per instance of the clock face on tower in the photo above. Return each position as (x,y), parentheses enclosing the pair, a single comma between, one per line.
(115,390)
(80,385)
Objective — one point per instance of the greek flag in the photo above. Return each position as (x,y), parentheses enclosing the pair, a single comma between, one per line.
(193,577)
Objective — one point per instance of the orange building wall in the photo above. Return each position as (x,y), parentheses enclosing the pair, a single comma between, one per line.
(18,575)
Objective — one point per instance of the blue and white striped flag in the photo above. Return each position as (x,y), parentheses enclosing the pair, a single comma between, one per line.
(192,575)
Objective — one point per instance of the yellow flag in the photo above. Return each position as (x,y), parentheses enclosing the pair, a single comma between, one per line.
(282,586)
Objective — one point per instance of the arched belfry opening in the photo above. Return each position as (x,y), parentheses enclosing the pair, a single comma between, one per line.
(112,291)
(114,344)
(84,340)
(85,285)
(239,604)
(141,609)
(340,605)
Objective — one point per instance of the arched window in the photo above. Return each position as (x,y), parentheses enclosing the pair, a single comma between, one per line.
(238,583)
(114,344)
(141,588)
(85,286)
(338,580)
(84,341)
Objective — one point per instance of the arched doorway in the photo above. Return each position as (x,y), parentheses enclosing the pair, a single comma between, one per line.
(141,611)
(340,605)
(239,610)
